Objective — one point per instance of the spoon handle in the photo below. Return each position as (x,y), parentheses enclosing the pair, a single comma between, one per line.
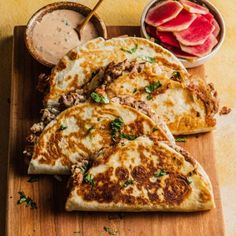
(90,15)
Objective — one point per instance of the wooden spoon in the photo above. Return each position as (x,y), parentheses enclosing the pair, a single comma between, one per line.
(81,26)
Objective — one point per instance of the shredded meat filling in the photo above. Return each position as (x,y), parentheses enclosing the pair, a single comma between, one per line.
(72,98)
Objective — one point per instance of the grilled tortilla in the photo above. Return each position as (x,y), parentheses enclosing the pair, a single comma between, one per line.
(82,131)
(81,64)
(141,175)
(186,105)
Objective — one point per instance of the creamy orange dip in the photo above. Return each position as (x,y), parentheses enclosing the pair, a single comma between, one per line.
(54,35)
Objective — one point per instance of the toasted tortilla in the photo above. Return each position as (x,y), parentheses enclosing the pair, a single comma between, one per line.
(141,175)
(82,131)
(186,105)
(80,64)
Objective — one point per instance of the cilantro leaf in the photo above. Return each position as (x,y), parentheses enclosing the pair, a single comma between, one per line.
(116,126)
(62,127)
(152,87)
(88,178)
(149,97)
(176,76)
(109,230)
(29,201)
(148,59)
(181,139)
(130,51)
(128,136)
(160,173)
(189,181)
(99,98)
(127,183)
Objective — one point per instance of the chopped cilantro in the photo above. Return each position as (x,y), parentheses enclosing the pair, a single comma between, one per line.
(148,59)
(152,87)
(83,168)
(160,173)
(115,126)
(181,139)
(135,90)
(176,76)
(127,183)
(189,181)
(27,200)
(62,127)
(130,51)
(99,98)
(128,136)
(149,97)
(33,178)
(88,178)
(109,230)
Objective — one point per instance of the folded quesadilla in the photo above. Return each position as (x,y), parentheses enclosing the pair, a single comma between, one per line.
(81,132)
(140,175)
(186,105)
(81,64)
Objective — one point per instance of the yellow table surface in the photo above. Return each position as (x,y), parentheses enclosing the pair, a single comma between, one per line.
(221,70)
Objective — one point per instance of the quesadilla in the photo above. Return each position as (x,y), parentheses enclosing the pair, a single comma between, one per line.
(186,105)
(140,175)
(81,64)
(81,132)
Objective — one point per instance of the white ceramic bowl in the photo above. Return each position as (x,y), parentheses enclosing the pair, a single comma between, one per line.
(200,60)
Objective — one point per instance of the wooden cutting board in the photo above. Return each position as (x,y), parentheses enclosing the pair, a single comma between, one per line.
(50,218)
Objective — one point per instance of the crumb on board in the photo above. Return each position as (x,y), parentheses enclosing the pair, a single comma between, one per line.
(225,110)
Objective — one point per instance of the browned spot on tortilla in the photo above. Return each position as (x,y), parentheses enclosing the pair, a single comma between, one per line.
(122,173)
(176,189)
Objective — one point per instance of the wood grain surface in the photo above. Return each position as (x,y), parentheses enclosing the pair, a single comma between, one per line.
(50,218)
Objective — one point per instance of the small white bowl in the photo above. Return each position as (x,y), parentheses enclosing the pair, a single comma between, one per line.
(201,60)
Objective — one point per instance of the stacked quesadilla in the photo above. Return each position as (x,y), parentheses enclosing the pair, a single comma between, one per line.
(110,111)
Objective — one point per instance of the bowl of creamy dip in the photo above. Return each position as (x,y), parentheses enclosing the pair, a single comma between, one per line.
(50,32)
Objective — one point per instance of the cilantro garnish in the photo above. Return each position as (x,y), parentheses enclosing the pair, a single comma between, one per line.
(88,178)
(149,97)
(62,127)
(99,98)
(83,168)
(130,51)
(127,183)
(152,87)
(181,139)
(160,173)
(148,59)
(189,181)
(27,200)
(109,230)
(135,90)
(176,76)
(115,126)
(128,136)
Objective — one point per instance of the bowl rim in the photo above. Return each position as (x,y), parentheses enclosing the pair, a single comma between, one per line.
(48,9)
(218,16)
